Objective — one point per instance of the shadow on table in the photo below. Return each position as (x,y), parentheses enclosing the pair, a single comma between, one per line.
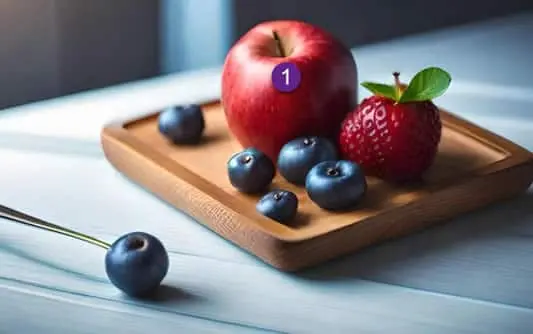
(479,237)
(166,294)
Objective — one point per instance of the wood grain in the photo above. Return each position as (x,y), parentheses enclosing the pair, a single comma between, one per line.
(236,293)
(231,293)
(474,168)
(49,306)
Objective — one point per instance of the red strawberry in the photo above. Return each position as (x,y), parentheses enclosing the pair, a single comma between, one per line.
(395,134)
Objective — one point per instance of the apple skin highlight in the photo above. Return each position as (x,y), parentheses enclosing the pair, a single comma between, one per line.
(260,116)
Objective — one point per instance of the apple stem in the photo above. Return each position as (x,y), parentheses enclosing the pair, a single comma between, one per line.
(25,219)
(279,45)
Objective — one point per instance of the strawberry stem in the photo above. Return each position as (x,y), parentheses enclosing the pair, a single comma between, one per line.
(398,85)
(397,79)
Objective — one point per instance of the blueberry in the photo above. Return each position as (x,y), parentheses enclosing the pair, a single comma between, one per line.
(182,124)
(251,171)
(136,263)
(280,205)
(298,156)
(336,185)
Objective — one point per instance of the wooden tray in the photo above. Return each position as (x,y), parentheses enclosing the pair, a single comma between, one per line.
(473,169)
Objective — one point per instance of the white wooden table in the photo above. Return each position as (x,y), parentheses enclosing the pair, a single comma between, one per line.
(472,275)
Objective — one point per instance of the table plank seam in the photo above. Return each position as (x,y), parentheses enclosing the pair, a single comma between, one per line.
(419,290)
(456,296)
(400,286)
(440,294)
(129,303)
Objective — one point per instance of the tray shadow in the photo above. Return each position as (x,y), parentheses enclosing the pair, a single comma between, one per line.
(398,260)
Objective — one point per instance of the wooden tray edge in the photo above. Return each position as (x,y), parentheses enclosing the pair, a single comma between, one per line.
(288,253)
(498,186)
(235,226)
(486,136)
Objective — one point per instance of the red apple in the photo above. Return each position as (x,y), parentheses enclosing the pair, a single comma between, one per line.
(258,114)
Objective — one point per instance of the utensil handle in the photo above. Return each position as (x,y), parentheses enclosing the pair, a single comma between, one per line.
(26,219)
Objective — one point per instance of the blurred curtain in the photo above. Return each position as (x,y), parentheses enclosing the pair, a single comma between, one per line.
(194,34)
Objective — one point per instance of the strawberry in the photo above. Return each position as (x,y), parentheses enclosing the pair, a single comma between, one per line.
(395,134)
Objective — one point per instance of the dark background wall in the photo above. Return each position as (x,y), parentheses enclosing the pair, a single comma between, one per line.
(358,22)
(103,42)
(28,51)
(50,48)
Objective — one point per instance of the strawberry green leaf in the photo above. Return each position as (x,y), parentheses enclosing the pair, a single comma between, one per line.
(426,85)
(381,89)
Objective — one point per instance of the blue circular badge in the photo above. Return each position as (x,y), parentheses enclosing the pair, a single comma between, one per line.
(286,77)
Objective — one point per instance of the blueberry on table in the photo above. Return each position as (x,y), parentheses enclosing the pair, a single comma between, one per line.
(251,171)
(136,263)
(279,205)
(336,185)
(299,155)
(182,124)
